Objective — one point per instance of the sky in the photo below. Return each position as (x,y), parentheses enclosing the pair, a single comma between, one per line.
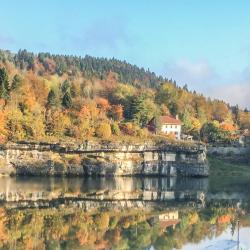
(204,44)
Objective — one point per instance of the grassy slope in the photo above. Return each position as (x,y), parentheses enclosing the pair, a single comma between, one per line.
(221,168)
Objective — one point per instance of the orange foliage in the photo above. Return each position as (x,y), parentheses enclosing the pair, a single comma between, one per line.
(2,103)
(101,244)
(224,219)
(28,96)
(109,83)
(3,131)
(103,104)
(227,126)
(82,237)
(38,87)
(29,244)
(89,111)
(84,112)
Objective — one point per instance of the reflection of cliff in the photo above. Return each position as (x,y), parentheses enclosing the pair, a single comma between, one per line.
(128,191)
(115,192)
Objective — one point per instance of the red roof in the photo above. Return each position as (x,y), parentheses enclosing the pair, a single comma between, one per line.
(169,120)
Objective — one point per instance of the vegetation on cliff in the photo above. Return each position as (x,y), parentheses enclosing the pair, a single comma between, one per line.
(48,97)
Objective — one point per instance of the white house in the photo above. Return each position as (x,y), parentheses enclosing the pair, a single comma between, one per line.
(169,125)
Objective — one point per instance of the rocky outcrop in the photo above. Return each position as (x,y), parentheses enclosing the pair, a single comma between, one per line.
(90,159)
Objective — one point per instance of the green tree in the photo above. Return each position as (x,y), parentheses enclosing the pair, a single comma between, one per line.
(16,82)
(67,100)
(52,99)
(237,114)
(167,94)
(4,84)
(142,110)
(65,86)
(210,132)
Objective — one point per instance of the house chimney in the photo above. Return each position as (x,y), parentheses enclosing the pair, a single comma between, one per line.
(177,117)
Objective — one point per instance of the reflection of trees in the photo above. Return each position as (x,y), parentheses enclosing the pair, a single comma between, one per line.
(67,228)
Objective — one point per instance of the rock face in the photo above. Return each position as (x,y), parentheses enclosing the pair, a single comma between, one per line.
(90,159)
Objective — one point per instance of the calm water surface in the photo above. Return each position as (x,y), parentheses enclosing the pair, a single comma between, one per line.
(124,213)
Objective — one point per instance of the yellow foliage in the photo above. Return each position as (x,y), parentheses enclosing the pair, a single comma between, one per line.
(102,221)
(193,218)
(104,131)
(196,125)
(3,233)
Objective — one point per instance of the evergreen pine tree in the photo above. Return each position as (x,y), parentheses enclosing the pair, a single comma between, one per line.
(51,101)
(16,82)
(4,84)
(237,115)
(67,100)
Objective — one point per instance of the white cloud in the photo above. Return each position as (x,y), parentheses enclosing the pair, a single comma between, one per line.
(5,40)
(232,93)
(200,76)
(193,74)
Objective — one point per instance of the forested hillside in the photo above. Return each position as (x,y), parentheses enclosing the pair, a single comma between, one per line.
(48,97)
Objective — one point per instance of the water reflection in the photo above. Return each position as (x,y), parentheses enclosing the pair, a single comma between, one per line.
(123,213)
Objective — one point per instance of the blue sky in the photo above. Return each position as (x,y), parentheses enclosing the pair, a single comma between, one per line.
(205,44)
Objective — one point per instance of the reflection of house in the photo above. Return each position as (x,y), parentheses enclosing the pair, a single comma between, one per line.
(244,139)
(172,215)
(168,125)
(166,220)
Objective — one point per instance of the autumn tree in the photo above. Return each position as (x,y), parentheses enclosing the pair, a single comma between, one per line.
(220,111)
(117,112)
(142,110)
(103,104)
(104,130)
(167,94)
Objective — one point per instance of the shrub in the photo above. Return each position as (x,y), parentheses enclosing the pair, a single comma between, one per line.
(115,129)
(102,221)
(104,131)
(128,128)
(113,222)
(142,133)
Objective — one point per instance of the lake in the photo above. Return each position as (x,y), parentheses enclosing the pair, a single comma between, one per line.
(124,213)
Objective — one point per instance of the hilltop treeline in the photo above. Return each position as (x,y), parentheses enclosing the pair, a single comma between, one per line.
(52,97)
(89,66)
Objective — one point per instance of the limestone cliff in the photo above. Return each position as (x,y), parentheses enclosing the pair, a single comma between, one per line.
(90,159)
